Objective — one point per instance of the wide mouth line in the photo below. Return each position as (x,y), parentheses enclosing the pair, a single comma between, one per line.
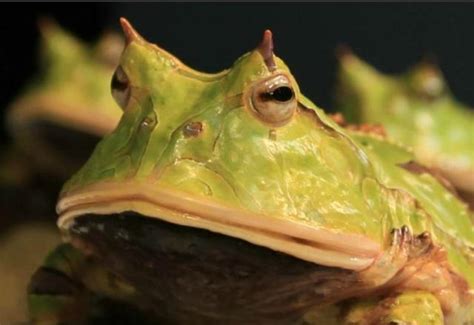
(253,229)
(187,210)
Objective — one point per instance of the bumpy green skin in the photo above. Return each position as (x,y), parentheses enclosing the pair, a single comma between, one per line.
(314,172)
(416,109)
(309,170)
(436,201)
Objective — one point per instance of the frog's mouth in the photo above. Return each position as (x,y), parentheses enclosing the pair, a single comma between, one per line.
(320,246)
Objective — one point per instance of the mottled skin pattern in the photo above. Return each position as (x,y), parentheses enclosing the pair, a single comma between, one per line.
(239,166)
(418,110)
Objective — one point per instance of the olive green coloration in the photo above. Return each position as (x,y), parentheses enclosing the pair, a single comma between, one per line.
(416,109)
(242,159)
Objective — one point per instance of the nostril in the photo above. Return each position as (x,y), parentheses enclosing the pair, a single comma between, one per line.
(192,129)
(148,122)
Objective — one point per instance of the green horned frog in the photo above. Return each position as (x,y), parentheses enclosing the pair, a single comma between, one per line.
(416,109)
(230,198)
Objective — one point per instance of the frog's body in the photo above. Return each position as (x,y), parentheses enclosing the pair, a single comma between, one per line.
(231,198)
(416,109)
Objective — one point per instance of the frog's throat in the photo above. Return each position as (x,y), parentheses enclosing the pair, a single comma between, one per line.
(316,245)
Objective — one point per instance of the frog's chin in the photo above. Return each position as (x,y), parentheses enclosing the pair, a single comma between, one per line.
(309,243)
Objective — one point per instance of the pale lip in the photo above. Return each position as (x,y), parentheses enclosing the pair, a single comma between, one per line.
(320,246)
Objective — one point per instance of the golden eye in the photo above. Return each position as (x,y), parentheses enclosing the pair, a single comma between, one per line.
(120,87)
(274,101)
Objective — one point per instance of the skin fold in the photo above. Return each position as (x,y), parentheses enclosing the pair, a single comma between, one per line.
(231,198)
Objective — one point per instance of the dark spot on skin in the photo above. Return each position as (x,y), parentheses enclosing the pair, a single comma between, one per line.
(192,129)
(417,169)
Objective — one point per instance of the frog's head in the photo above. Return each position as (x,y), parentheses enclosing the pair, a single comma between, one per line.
(364,93)
(426,81)
(241,153)
(416,108)
(67,108)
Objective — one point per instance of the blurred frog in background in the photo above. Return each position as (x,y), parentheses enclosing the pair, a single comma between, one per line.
(66,109)
(416,109)
(63,112)
(54,125)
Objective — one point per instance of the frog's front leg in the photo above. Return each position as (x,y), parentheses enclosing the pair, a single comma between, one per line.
(415,263)
(60,291)
(410,307)
(72,288)
(56,293)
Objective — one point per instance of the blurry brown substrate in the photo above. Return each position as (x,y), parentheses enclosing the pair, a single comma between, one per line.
(194,275)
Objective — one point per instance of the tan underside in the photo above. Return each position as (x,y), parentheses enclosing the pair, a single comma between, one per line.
(321,246)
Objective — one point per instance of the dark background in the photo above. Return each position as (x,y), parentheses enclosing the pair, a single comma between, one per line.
(211,36)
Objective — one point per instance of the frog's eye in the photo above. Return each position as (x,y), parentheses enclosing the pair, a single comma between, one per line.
(274,100)
(120,87)
(427,82)
(431,87)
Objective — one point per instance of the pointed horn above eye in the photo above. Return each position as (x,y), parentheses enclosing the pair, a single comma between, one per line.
(430,59)
(47,26)
(266,49)
(130,33)
(344,51)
